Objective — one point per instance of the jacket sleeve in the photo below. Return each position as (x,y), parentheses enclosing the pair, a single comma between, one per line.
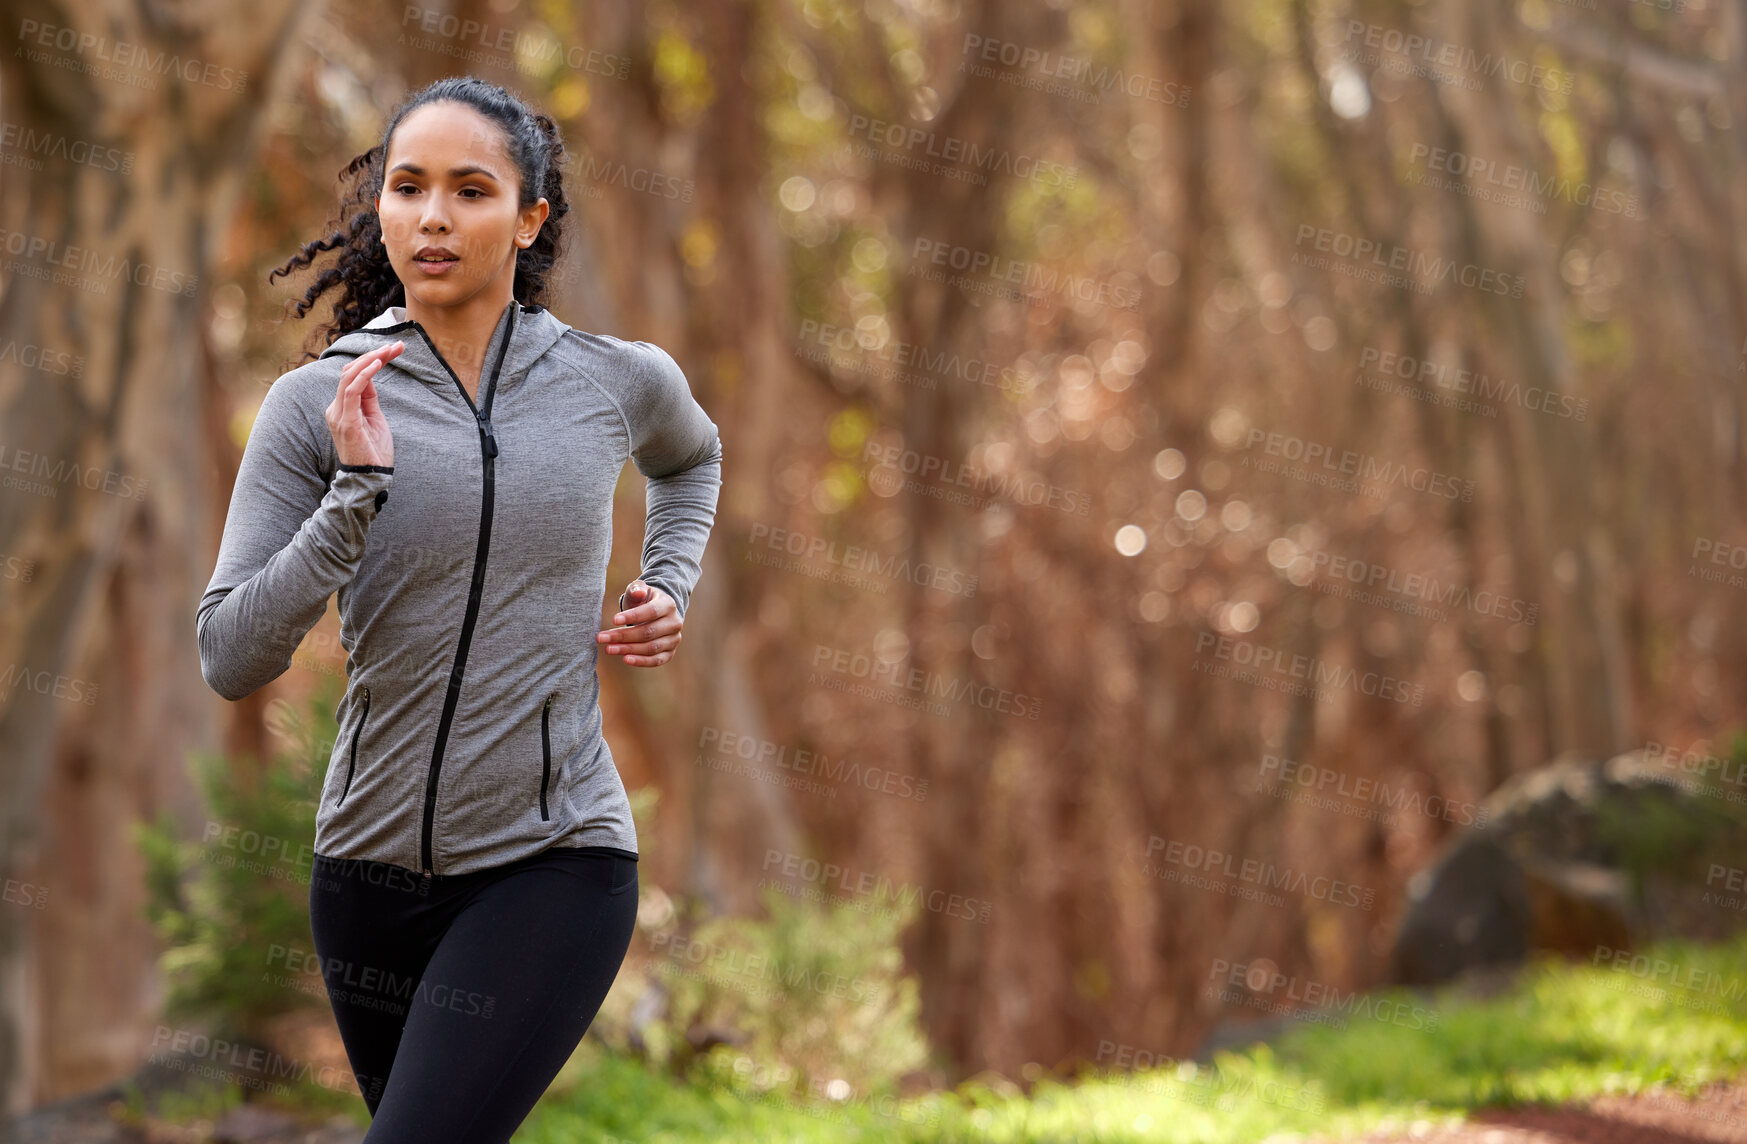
(677,447)
(292,537)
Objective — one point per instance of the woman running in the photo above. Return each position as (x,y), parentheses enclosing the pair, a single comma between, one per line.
(474,886)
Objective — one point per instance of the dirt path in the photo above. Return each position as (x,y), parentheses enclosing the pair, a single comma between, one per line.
(87,1120)
(1717,1116)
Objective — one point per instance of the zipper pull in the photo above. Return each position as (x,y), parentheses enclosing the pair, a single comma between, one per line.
(490,438)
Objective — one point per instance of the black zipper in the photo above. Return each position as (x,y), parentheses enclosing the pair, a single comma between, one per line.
(488,449)
(545,754)
(353,762)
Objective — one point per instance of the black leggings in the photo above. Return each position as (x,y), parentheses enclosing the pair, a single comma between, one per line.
(459,1001)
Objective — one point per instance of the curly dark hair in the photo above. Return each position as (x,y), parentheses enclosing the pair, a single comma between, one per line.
(367,282)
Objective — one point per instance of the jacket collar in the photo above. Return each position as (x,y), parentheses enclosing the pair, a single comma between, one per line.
(535,330)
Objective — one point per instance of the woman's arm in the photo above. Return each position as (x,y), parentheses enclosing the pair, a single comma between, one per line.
(291,539)
(677,447)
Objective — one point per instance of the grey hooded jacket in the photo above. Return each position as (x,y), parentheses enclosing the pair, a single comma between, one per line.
(471,575)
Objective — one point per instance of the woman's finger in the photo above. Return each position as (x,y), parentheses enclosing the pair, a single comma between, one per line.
(349,407)
(367,390)
(647,659)
(359,363)
(640,613)
(649,648)
(643,647)
(659,628)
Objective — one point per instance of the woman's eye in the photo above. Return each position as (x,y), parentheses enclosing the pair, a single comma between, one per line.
(475,190)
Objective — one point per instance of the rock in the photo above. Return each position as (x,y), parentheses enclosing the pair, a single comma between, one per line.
(1471,909)
(1570,857)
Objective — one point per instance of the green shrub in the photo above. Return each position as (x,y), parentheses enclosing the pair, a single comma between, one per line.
(229,902)
(810,998)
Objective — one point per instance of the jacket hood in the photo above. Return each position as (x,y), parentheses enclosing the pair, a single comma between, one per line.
(535,330)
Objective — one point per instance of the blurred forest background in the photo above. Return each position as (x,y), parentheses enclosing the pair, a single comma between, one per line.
(1172,337)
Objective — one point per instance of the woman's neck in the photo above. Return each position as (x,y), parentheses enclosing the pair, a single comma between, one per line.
(461,333)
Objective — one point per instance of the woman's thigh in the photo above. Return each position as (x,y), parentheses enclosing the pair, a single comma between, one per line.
(375,928)
(506,996)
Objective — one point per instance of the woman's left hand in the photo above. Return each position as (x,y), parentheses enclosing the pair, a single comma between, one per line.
(649,627)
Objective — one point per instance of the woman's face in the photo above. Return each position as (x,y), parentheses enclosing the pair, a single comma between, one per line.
(448,207)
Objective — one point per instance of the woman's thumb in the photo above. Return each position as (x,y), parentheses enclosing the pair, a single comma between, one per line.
(637,587)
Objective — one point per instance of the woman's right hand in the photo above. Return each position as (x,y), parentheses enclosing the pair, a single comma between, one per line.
(355,417)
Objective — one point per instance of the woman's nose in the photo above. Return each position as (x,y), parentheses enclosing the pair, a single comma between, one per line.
(434,217)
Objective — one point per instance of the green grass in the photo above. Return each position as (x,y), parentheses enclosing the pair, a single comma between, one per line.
(1564,1032)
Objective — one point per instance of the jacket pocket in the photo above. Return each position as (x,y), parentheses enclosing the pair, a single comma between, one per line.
(352,761)
(546,754)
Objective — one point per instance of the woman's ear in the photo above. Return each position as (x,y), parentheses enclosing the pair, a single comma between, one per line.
(543,209)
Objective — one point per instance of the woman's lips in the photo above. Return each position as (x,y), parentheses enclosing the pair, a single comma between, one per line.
(436,266)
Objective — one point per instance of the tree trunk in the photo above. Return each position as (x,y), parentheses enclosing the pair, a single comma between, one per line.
(141,158)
